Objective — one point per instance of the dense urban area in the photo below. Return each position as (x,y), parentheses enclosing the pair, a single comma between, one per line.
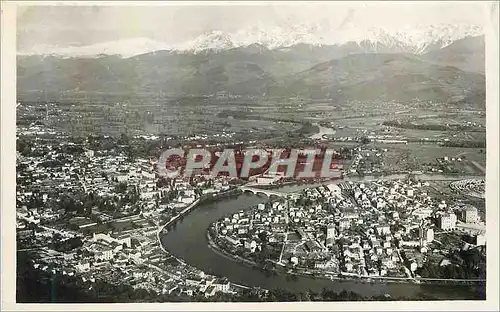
(406,207)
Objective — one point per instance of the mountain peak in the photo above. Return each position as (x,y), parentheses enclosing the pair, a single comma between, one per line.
(418,39)
(211,41)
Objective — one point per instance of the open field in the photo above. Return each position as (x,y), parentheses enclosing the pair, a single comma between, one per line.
(278,122)
(442,190)
(423,157)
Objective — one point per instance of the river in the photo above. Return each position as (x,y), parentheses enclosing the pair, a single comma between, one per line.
(188,241)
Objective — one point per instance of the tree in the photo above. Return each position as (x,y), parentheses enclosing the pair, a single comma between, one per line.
(23,147)
(263,237)
(365,140)
(123,140)
(121,187)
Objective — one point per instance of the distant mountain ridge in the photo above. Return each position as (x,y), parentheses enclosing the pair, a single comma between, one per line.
(399,77)
(417,40)
(467,54)
(449,71)
(368,76)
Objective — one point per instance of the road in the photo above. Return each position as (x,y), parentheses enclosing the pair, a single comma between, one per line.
(182,213)
(418,279)
(478,166)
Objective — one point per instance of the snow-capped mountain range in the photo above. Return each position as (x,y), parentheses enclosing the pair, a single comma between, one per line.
(416,39)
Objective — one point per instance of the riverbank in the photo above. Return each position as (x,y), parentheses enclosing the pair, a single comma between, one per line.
(341,276)
(188,240)
(213,242)
(320,275)
(202,200)
(220,251)
(361,279)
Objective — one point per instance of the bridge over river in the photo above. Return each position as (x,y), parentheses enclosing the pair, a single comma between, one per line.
(257,191)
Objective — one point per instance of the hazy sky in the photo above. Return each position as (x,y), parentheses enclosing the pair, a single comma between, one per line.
(81,25)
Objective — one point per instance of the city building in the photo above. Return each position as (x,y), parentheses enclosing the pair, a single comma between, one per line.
(222,285)
(89,153)
(448,222)
(481,239)
(330,231)
(429,235)
(469,215)
(334,190)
